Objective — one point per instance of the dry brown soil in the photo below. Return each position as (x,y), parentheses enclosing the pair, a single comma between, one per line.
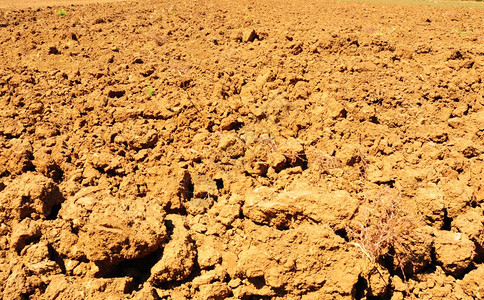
(241,149)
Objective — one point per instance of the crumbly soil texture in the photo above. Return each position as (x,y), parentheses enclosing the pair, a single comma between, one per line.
(241,150)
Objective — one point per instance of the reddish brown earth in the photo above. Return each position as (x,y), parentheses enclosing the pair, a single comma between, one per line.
(243,150)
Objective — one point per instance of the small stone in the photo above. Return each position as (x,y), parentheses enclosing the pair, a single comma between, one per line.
(249,35)
(217,274)
(36,108)
(235,282)
(216,290)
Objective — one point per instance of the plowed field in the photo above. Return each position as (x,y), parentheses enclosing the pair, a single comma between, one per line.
(241,149)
